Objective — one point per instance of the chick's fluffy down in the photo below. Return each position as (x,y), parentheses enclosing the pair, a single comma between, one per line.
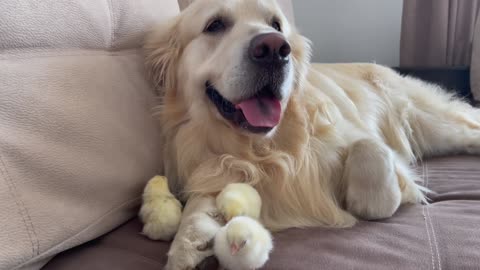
(161,212)
(254,240)
(239,200)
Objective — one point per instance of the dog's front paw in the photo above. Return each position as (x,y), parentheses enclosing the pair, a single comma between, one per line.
(194,243)
(372,190)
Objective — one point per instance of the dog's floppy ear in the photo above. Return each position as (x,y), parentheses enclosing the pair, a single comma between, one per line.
(162,51)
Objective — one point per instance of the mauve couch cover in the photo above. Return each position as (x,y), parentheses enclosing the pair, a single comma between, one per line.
(442,235)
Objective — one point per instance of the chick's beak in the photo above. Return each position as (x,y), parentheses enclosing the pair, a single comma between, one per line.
(234,249)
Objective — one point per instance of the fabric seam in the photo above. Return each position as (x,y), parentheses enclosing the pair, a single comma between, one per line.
(27,221)
(112,24)
(98,221)
(437,251)
(67,53)
(429,238)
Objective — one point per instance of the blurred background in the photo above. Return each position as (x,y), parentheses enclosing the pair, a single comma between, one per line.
(435,40)
(366,30)
(407,33)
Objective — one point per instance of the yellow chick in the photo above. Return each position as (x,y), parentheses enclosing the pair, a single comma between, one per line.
(242,244)
(239,200)
(161,211)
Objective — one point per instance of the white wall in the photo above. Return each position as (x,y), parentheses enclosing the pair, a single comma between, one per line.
(351,30)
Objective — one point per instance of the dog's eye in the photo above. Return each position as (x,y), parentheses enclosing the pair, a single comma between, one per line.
(215,26)
(276,25)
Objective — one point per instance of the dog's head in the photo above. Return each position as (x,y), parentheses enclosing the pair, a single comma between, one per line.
(233,61)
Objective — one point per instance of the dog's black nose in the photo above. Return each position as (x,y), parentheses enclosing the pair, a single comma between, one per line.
(268,49)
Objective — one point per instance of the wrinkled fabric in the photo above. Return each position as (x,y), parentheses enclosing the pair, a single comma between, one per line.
(441,235)
(77,138)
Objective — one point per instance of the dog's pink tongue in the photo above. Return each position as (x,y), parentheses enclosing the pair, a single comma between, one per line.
(261,111)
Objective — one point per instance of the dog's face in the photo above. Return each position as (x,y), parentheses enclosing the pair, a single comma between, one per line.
(236,61)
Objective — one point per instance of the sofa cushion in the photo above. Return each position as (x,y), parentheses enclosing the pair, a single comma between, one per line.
(452,179)
(77,140)
(442,235)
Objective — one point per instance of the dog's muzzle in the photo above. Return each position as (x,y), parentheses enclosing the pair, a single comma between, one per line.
(260,110)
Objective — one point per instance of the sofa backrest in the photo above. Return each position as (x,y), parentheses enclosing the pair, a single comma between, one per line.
(77,139)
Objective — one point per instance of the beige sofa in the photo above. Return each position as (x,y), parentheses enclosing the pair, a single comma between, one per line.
(78,143)
(77,137)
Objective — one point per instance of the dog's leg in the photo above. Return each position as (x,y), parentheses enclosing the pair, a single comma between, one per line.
(193,242)
(448,131)
(376,181)
(439,123)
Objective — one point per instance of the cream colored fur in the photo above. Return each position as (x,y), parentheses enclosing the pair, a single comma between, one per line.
(347,136)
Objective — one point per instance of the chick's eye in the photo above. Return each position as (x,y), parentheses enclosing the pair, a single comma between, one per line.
(215,26)
(276,26)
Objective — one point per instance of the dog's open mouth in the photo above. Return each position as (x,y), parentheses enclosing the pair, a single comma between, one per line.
(257,114)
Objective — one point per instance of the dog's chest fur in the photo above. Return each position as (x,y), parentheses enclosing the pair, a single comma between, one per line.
(298,171)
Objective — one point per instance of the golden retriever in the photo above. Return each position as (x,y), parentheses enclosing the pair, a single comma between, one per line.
(322,144)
